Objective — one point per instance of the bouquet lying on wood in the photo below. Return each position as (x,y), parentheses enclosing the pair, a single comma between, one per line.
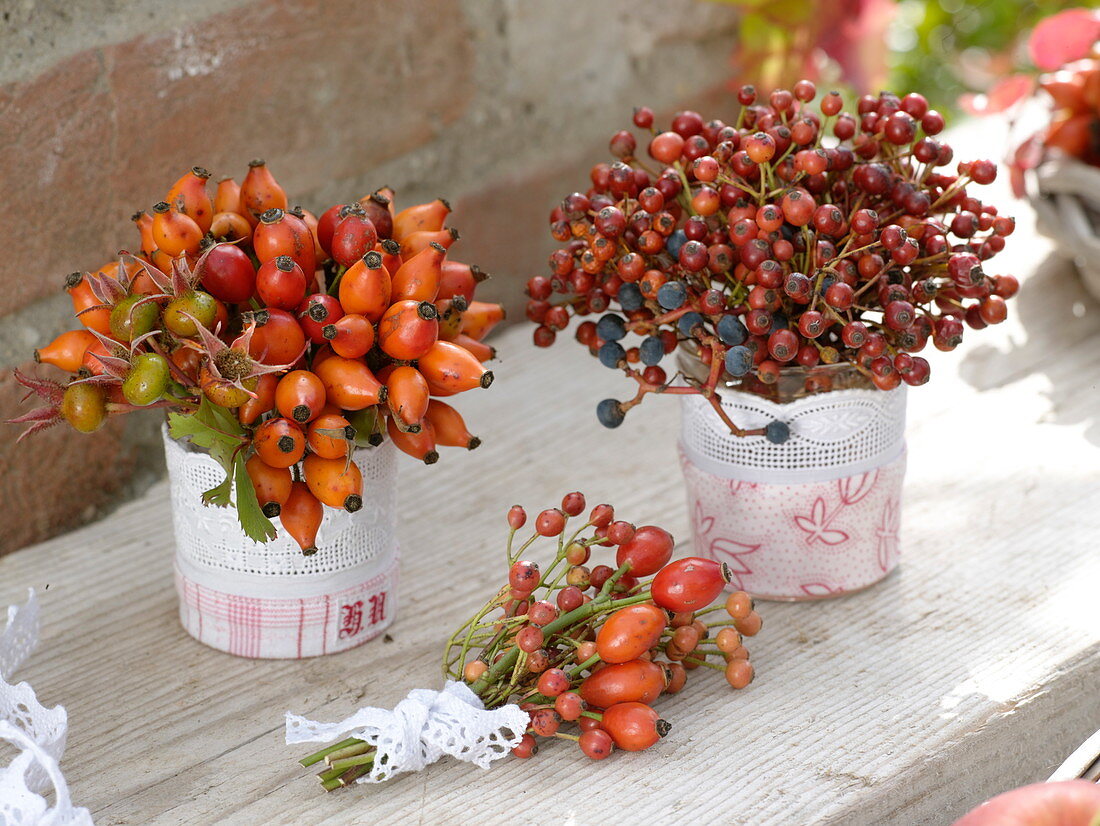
(594,646)
(278,340)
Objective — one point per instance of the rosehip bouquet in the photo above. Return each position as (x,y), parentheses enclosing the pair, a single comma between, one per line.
(799,235)
(594,646)
(279,341)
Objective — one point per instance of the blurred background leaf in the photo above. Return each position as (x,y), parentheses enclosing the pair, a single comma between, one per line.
(944,49)
(947,48)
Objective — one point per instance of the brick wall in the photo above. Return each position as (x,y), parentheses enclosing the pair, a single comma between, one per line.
(491,103)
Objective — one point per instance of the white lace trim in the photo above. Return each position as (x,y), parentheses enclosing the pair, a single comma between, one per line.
(38,733)
(832,435)
(421,729)
(211,548)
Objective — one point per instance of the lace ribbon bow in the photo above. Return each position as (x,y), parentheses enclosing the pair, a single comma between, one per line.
(421,729)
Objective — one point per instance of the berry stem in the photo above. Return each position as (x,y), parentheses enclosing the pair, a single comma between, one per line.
(318,756)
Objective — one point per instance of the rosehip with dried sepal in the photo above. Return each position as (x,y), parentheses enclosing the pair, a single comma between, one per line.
(545,722)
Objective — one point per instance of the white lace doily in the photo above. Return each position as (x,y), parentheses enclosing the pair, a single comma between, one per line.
(421,729)
(832,435)
(37,732)
(212,550)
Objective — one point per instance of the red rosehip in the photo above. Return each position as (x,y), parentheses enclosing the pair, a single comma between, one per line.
(899,315)
(550,522)
(601,516)
(643,117)
(553,682)
(760,147)
(620,532)
(811,324)
(689,584)
(993,310)
(542,613)
(529,638)
(783,345)
(573,503)
(666,147)
(839,296)
(647,551)
(517,517)
(524,576)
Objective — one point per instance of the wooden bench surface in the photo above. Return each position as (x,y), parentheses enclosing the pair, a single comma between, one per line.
(973,668)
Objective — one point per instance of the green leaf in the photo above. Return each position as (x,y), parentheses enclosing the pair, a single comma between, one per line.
(216,430)
(219,495)
(256,526)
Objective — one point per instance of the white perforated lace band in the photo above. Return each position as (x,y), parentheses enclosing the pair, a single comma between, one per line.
(269,600)
(832,435)
(210,542)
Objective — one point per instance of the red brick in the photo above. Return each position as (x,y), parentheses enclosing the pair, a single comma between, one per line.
(58,201)
(323,91)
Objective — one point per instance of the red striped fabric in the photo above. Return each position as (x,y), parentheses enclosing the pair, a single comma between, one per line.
(288,628)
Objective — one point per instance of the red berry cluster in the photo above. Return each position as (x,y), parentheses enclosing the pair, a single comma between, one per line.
(798,236)
(281,341)
(591,645)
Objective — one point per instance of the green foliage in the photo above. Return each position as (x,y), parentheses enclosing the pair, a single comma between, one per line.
(216,430)
(945,48)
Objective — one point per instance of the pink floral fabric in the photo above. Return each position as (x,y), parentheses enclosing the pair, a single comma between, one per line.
(799,541)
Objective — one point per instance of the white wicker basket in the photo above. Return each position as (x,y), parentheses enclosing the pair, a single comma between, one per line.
(268,600)
(1065,194)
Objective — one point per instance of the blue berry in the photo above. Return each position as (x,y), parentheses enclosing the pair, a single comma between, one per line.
(777,432)
(630,297)
(652,350)
(738,360)
(674,242)
(731,331)
(779,322)
(688,322)
(672,294)
(610,413)
(611,354)
(610,327)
